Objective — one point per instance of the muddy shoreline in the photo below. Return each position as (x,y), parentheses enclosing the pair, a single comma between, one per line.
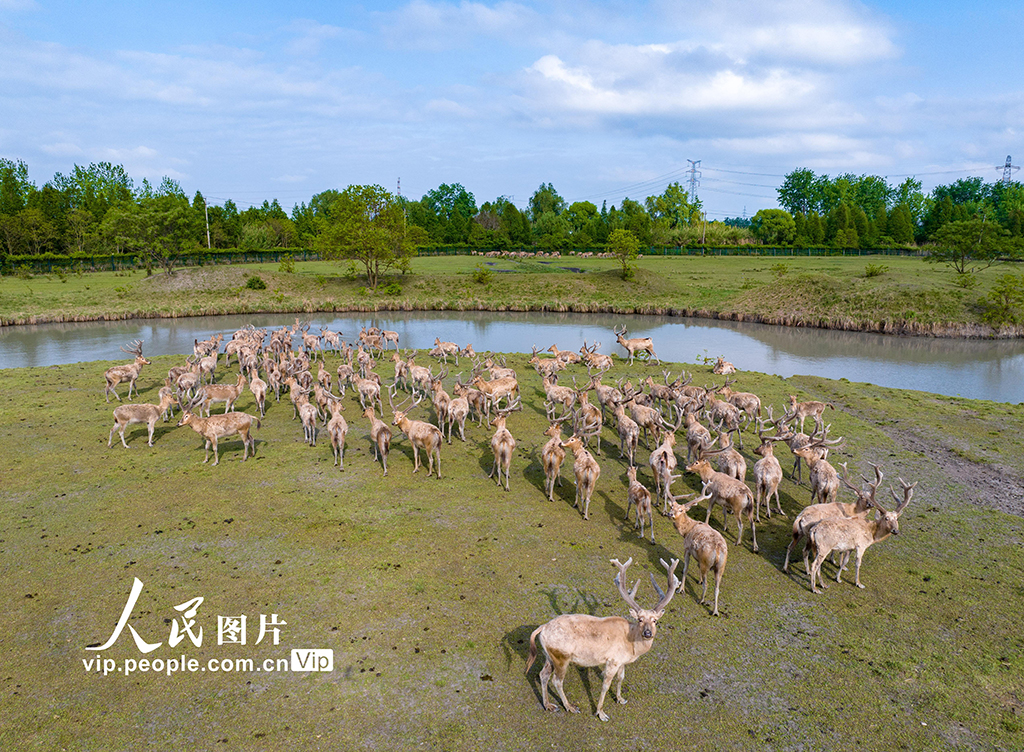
(896,328)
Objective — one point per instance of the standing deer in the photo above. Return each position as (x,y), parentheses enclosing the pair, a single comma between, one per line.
(503,444)
(337,428)
(638,494)
(732,494)
(552,455)
(848,534)
(767,477)
(803,410)
(126,415)
(217,427)
(258,387)
(703,542)
(663,462)
(226,393)
(380,437)
(423,436)
(636,345)
(129,372)
(610,643)
(586,470)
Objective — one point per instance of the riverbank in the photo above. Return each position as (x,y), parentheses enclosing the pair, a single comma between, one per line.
(909,298)
(427,590)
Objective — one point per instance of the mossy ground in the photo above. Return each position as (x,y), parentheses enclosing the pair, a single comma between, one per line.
(427,590)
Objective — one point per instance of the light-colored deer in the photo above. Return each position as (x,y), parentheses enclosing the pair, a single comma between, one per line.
(552,455)
(703,542)
(258,387)
(803,410)
(503,444)
(636,345)
(663,463)
(422,435)
(129,372)
(723,367)
(767,477)
(638,494)
(610,643)
(226,393)
(218,427)
(629,432)
(337,428)
(728,492)
(848,534)
(380,437)
(595,361)
(126,415)
(586,470)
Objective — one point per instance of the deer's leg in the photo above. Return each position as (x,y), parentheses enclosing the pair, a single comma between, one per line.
(860,556)
(152,427)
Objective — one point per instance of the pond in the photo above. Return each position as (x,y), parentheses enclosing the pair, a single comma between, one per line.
(978,369)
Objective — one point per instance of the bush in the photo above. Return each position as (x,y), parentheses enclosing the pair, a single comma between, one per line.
(287,265)
(393,289)
(779,270)
(1005,303)
(482,275)
(875,270)
(255,283)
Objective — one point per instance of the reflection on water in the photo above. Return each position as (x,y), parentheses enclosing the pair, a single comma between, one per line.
(980,369)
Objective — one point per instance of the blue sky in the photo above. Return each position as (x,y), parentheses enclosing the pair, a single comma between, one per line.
(260,100)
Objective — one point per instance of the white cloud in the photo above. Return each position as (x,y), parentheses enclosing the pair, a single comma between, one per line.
(433,26)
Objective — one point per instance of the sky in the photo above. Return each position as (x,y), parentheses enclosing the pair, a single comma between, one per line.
(258,100)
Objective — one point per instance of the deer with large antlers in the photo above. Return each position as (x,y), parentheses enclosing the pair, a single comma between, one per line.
(586,470)
(126,415)
(849,534)
(217,427)
(638,494)
(610,643)
(594,360)
(698,438)
(503,444)
(701,541)
(823,477)
(129,372)
(545,368)
(730,493)
(811,515)
(730,461)
(441,399)
(636,345)
(587,420)
(422,435)
(380,437)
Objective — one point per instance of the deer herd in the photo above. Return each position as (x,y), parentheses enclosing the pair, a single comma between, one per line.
(712,419)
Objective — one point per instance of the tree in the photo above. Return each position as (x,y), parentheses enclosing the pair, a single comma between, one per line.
(545,199)
(799,192)
(626,248)
(968,245)
(366,224)
(673,207)
(167,226)
(773,227)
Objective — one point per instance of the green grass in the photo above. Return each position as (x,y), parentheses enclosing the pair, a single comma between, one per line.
(427,590)
(912,296)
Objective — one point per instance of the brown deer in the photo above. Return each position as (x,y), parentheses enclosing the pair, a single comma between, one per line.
(767,477)
(595,361)
(226,393)
(586,470)
(803,410)
(848,534)
(129,372)
(703,542)
(566,356)
(445,349)
(503,444)
(698,438)
(815,513)
(217,427)
(337,428)
(638,494)
(723,367)
(629,433)
(636,345)
(663,462)
(126,415)
(423,435)
(552,455)
(587,420)
(258,387)
(610,643)
(380,437)
(730,493)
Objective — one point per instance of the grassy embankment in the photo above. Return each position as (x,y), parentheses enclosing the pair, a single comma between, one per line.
(427,590)
(911,297)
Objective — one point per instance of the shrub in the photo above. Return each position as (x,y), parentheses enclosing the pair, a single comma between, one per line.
(1005,303)
(287,265)
(779,270)
(875,270)
(482,275)
(393,289)
(255,283)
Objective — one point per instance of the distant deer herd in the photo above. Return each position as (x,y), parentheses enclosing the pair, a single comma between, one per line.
(274,361)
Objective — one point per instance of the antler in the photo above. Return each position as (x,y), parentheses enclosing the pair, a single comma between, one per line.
(673,583)
(135,348)
(629,596)
(908,491)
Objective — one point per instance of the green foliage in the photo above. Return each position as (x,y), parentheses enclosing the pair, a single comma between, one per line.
(779,270)
(287,265)
(392,289)
(1005,302)
(773,227)
(875,270)
(255,283)
(482,275)
(625,246)
(968,245)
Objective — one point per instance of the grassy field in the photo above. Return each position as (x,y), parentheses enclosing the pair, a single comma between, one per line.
(910,297)
(427,590)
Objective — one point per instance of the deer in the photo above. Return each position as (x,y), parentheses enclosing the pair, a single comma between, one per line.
(803,410)
(380,437)
(552,455)
(730,461)
(441,399)
(217,427)
(226,393)
(663,462)
(476,400)
(703,542)
(496,371)
(823,477)
(607,396)
(723,367)
(594,359)
(423,435)
(308,414)
(126,415)
(698,438)
(418,375)
(723,414)
(649,419)
(496,390)
(638,494)
(503,444)
(207,365)
(331,338)
(445,349)
(748,403)
(369,391)
(767,477)
(730,493)
(629,433)
(129,372)
(588,422)
(586,470)
(388,335)
(337,429)
(636,345)
(546,368)
(568,357)
(609,642)
(815,513)
(258,387)
(849,534)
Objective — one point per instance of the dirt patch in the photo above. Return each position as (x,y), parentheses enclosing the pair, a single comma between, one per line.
(990,486)
(203,278)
